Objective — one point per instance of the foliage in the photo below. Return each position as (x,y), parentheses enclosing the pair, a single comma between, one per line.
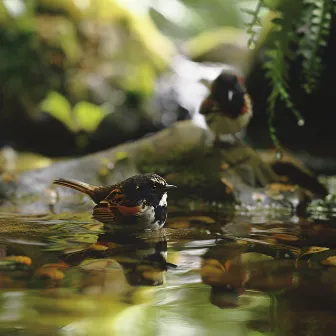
(209,40)
(187,18)
(317,19)
(84,116)
(55,46)
(299,31)
(21,62)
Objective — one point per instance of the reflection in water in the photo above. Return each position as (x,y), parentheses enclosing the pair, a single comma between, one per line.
(78,271)
(68,276)
(233,266)
(141,258)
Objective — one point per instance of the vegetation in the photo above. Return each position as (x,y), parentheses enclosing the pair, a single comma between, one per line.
(51,49)
(297,30)
(54,52)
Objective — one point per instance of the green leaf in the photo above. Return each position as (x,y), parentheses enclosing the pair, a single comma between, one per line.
(88,116)
(141,80)
(316,20)
(327,16)
(67,39)
(58,107)
(317,12)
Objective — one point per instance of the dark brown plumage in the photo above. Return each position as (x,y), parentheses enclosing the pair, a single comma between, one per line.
(139,200)
(228,108)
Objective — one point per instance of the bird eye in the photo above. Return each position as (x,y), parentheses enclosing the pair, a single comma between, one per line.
(154,186)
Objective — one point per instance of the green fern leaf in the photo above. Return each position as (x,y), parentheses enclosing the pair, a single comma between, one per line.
(317,20)
(303,25)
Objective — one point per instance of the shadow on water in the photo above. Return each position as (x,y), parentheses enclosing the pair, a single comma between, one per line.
(252,274)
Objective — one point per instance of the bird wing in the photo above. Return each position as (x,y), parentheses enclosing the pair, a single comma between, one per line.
(103,213)
(115,208)
(116,196)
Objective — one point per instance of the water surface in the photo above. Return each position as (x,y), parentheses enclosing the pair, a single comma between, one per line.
(255,273)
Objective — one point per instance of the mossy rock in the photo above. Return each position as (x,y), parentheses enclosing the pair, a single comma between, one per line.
(181,154)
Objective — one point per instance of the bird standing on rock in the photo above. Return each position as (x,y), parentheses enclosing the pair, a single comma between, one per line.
(228,108)
(140,200)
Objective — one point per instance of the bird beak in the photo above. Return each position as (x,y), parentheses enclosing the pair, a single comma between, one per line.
(169,187)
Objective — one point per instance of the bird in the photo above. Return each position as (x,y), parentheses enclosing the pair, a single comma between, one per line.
(227,108)
(140,200)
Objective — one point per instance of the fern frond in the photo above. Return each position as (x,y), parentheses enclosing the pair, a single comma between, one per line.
(277,71)
(316,22)
(305,25)
(254,25)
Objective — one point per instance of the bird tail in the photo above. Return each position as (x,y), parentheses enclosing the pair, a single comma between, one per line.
(77,185)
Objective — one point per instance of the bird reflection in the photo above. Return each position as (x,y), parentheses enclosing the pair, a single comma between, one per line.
(138,260)
(233,266)
(222,269)
(224,297)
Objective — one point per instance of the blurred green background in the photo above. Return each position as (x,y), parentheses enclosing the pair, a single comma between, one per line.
(79,75)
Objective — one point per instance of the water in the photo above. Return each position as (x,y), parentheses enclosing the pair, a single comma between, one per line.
(252,274)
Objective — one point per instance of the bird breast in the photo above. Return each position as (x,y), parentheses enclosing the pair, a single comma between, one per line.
(154,216)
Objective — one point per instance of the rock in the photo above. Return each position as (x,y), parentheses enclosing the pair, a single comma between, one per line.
(12,162)
(292,171)
(180,153)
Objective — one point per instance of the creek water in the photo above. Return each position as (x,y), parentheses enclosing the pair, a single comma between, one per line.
(254,273)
